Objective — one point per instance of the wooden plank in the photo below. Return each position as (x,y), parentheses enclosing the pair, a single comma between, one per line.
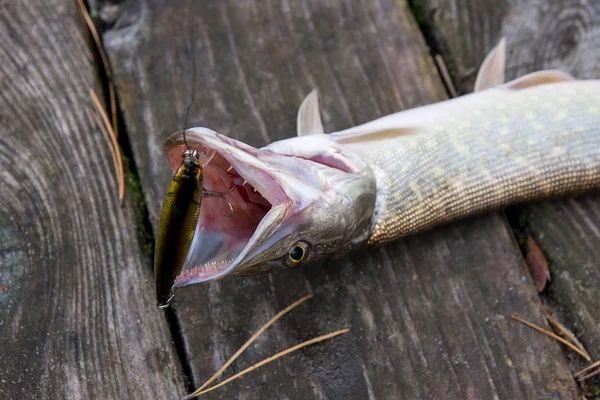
(77,315)
(541,35)
(428,315)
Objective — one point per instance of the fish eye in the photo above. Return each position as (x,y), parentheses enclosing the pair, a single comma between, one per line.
(297,253)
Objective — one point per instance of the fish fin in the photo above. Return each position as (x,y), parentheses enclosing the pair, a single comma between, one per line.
(491,72)
(309,118)
(374,135)
(539,78)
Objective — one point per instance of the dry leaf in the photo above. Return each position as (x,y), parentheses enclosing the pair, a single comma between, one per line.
(537,265)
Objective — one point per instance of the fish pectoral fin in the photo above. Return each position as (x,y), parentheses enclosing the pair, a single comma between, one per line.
(539,78)
(491,72)
(369,135)
(309,118)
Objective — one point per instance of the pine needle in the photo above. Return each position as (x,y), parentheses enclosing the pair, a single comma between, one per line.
(552,335)
(587,369)
(564,331)
(109,142)
(111,88)
(115,146)
(439,60)
(591,374)
(268,360)
(249,342)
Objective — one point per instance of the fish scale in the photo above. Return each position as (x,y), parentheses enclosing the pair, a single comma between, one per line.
(498,147)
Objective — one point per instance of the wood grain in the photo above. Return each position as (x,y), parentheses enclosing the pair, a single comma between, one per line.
(77,314)
(541,35)
(428,315)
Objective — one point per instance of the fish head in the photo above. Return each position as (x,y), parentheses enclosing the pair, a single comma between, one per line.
(297,201)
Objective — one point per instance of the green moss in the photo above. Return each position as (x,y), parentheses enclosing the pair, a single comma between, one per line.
(423,14)
(417,7)
(522,220)
(133,189)
(595,391)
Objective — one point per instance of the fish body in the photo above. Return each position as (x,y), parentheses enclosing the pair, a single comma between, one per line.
(481,152)
(177,224)
(533,138)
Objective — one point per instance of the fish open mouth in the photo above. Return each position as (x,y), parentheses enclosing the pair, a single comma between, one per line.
(221,240)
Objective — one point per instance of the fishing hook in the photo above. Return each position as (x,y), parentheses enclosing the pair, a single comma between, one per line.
(210,193)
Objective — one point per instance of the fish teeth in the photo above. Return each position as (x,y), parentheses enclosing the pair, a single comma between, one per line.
(213,264)
(230,168)
(203,269)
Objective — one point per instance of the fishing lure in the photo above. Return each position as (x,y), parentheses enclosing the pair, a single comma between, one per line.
(177,223)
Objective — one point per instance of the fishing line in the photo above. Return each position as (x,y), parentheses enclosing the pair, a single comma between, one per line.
(193,97)
(194,153)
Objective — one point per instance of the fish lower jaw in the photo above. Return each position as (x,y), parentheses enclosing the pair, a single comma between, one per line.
(201,273)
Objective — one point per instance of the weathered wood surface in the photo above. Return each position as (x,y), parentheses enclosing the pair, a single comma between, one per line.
(77,314)
(541,35)
(428,315)
(568,231)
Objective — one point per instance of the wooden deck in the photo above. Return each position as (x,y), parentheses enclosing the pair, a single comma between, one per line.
(428,315)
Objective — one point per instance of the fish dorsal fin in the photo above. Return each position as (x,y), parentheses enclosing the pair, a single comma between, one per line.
(491,72)
(539,78)
(309,118)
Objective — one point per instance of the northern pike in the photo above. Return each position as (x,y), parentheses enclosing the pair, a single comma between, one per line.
(318,196)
